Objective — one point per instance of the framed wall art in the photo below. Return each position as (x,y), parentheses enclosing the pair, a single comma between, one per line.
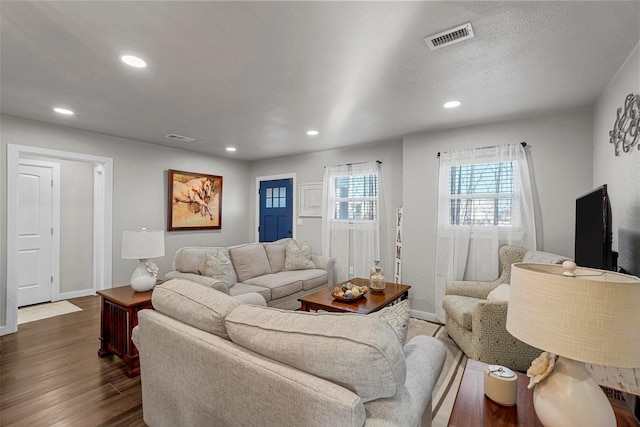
(195,201)
(310,199)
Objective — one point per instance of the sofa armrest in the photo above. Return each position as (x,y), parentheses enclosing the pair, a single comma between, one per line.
(253,298)
(325,263)
(425,357)
(478,290)
(203,280)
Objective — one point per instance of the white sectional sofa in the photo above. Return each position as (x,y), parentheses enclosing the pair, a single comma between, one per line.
(208,359)
(257,267)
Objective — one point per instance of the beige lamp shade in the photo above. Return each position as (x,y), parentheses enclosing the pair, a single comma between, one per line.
(593,317)
(142,244)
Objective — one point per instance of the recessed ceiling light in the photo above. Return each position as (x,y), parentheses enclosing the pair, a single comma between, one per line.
(231,149)
(63,111)
(312,132)
(452,104)
(133,61)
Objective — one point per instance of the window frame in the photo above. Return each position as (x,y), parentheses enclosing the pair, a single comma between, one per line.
(514,225)
(337,200)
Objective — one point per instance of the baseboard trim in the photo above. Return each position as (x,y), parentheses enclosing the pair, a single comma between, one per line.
(423,315)
(75,294)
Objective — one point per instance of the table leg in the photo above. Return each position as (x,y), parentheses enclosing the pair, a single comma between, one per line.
(105,321)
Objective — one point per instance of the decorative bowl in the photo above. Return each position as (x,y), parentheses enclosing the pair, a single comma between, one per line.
(362,292)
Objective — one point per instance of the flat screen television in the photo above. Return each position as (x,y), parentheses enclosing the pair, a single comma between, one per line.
(594,231)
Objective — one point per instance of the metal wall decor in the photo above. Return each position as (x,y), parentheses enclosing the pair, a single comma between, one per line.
(626,129)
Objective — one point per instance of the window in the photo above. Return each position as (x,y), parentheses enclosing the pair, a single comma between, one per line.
(356,197)
(276,197)
(481,194)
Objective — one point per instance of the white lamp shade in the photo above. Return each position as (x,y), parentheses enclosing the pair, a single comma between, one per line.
(593,317)
(142,244)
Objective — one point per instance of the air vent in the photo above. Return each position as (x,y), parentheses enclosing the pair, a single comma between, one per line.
(450,36)
(179,137)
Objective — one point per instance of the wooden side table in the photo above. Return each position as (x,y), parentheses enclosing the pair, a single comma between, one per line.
(473,408)
(119,309)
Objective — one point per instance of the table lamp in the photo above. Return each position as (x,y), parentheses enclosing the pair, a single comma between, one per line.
(142,245)
(581,315)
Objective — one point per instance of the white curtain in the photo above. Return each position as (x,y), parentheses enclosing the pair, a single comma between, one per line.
(468,239)
(353,239)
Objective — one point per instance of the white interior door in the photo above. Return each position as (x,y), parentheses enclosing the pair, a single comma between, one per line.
(34,232)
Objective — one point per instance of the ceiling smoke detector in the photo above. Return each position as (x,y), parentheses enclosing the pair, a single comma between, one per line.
(450,36)
(179,137)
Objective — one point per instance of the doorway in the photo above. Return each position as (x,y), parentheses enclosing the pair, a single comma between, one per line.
(38,211)
(275,207)
(102,221)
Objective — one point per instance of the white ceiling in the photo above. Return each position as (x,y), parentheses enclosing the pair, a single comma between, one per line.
(258,75)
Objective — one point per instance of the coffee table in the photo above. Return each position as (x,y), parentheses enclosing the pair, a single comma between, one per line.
(472,408)
(372,301)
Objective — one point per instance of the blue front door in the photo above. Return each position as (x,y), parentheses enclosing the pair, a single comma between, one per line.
(276,209)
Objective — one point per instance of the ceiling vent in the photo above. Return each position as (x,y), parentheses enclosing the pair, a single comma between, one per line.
(179,137)
(450,36)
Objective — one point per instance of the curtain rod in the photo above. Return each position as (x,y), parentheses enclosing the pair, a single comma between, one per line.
(524,144)
(358,163)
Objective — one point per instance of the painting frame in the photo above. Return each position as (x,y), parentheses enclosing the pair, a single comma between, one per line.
(194,201)
(310,200)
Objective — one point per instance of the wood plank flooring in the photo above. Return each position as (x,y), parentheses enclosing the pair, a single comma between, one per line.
(50,374)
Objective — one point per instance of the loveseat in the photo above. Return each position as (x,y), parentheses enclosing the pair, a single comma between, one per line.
(476,313)
(207,359)
(280,271)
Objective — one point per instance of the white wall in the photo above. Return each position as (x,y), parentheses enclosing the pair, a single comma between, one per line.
(559,152)
(620,173)
(310,168)
(140,189)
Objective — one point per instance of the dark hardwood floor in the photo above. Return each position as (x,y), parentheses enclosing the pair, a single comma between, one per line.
(50,374)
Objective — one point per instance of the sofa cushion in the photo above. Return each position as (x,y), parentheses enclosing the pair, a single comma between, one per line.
(397,316)
(196,305)
(360,353)
(460,309)
(310,278)
(298,258)
(500,293)
(244,288)
(276,253)
(280,285)
(249,260)
(217,265)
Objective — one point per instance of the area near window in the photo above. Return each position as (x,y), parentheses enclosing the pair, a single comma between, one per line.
(481,194)
(356,197)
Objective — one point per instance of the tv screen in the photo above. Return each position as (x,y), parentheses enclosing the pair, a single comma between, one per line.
(593,230)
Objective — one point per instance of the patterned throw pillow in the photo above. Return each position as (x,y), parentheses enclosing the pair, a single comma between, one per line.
(397,316)
(217,266)
(298,258)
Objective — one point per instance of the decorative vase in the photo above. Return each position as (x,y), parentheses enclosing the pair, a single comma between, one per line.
(377,281)
(373,269)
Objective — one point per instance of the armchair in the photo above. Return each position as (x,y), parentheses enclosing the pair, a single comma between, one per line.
(476,320)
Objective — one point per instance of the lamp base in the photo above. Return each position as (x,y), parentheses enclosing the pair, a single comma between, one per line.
(141,279)
(570,397)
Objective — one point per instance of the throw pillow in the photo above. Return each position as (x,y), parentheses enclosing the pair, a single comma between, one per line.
(397,316)
(217,266)
(500,293)
(298,258)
